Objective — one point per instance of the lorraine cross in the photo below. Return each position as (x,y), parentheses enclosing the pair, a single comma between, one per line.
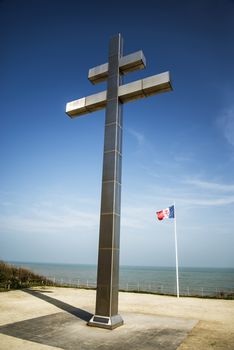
(106,313)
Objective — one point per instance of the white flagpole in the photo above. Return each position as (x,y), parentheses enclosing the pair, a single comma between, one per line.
(176,254)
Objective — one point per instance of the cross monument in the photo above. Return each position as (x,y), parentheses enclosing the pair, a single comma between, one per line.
(117,93)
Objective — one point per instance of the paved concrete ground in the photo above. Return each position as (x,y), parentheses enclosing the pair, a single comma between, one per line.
(55,318)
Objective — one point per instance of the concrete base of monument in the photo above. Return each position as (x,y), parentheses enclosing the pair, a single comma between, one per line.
(106,322)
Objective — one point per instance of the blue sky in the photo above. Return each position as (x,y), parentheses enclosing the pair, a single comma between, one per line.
(177,146)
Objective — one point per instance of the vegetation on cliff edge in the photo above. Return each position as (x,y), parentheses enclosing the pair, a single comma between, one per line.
(12,277)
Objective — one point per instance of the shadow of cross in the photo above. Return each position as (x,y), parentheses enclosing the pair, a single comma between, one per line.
(80,313)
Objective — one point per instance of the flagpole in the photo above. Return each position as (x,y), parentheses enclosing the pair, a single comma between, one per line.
(176,254)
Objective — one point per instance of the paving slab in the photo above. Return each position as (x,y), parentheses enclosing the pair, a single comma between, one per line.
(56,318)
(67,331)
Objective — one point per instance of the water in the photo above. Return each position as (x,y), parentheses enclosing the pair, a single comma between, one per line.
(192,281)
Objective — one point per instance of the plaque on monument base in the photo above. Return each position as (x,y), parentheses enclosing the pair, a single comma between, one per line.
(106,322)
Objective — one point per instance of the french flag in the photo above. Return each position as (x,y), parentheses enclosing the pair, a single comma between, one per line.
(168,213)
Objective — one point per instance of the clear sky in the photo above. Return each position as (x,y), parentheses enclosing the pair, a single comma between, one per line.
(178,146)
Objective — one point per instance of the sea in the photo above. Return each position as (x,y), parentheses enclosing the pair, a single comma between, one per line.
(162,280)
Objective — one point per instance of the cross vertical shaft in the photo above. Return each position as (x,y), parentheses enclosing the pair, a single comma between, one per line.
(106,314)
(109,234)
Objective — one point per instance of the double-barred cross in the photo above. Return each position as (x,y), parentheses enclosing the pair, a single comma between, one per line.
(106,313)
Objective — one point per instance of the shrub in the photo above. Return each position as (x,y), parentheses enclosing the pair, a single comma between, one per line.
(12,277)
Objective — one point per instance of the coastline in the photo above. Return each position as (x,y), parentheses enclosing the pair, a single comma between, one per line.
(201,282)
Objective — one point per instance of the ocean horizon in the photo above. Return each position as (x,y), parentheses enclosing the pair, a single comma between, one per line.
(123,265)
(159,279)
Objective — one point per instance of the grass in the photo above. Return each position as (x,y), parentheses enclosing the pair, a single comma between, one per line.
(12,277)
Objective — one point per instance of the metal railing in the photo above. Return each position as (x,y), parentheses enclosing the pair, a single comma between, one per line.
(153,288)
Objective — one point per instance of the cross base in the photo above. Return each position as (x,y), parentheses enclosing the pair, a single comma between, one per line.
(106,322)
